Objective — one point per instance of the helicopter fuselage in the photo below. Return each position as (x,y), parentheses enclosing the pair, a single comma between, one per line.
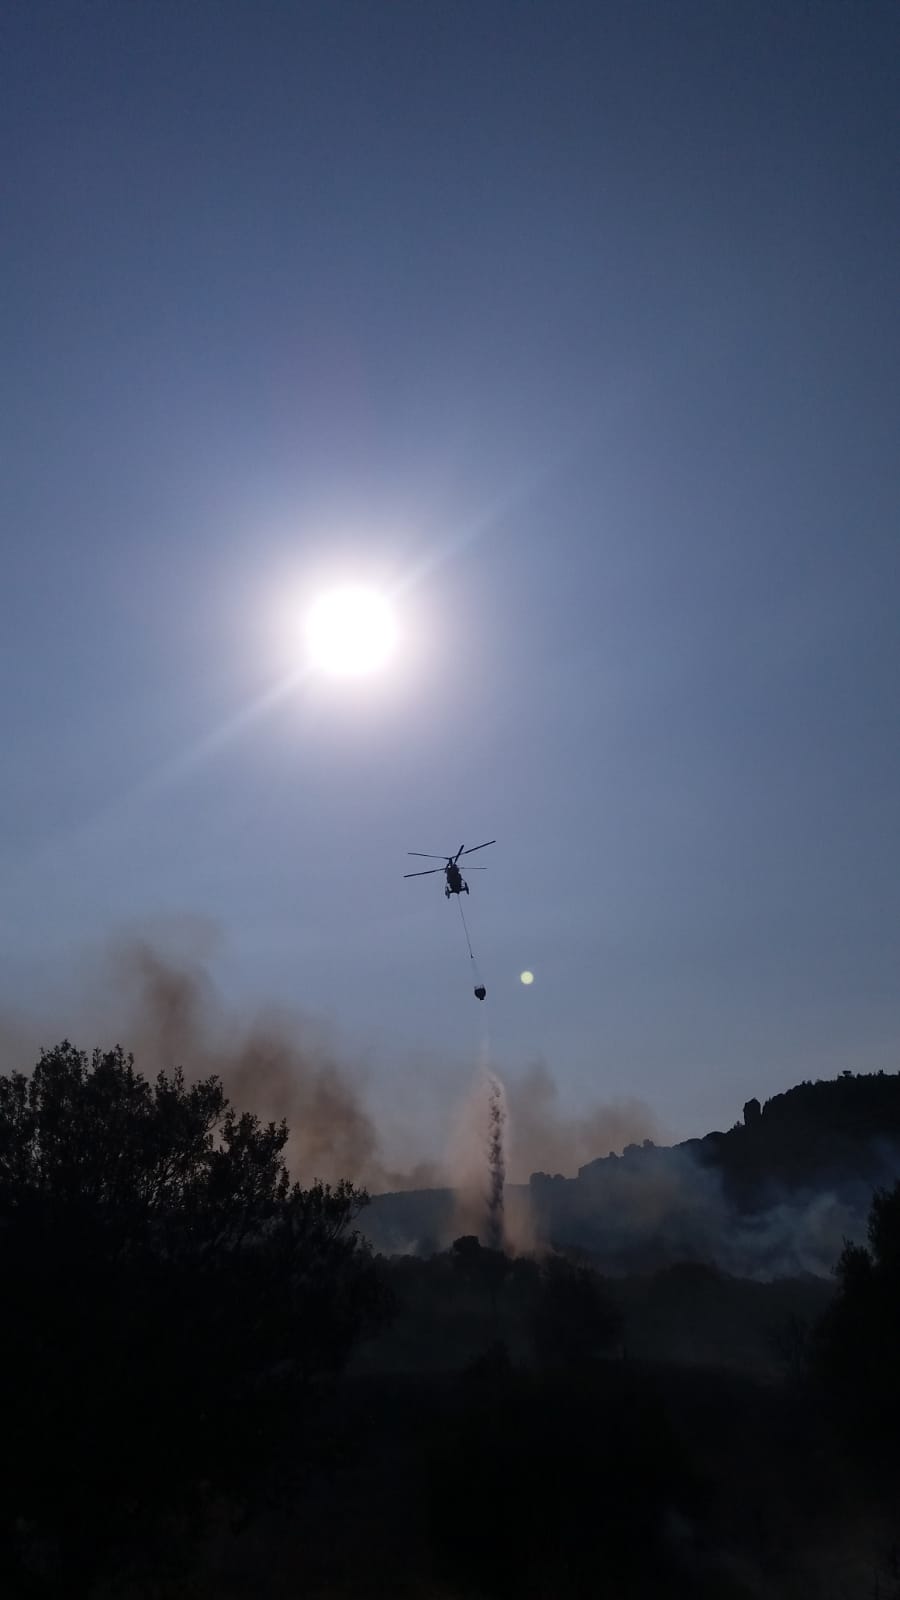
(456,883)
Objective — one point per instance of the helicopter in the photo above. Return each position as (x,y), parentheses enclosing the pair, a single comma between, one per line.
(456,883)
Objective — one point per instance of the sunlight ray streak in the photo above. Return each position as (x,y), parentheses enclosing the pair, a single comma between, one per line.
(167,775)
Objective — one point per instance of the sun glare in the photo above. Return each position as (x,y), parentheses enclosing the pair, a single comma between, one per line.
(350,632)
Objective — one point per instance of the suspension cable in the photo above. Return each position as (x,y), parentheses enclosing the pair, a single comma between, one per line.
(465,929)
(480,990)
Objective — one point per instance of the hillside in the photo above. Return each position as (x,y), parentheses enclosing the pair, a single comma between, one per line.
(774,1195)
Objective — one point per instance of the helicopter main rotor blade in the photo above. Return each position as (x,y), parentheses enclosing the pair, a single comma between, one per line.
(427,855)
(426,874)
(478,847)
(458,853)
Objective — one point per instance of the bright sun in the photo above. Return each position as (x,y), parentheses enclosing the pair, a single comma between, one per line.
(350,632)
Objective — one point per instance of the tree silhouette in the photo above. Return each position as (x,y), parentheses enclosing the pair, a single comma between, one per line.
(856,1345)
(170,1298)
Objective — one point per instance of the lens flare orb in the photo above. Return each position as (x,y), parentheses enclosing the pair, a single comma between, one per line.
(526,978)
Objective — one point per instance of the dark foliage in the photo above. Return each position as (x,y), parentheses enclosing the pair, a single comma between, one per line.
(855,1352)
(548,1312)
(544,1484)
(170,1299)
(574,1319)
(175,1310)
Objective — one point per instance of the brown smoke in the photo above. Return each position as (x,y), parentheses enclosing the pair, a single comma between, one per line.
(156,996)
(544,1139)
(276,1066)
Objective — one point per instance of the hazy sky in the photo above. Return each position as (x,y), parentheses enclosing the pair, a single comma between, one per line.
(577,324)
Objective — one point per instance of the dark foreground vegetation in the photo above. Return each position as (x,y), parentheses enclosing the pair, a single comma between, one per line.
(210,1387)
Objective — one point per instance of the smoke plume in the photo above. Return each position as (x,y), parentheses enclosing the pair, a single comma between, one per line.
(651,1208)
(548,1140)
(501,1179)
(152,991)
(155,996)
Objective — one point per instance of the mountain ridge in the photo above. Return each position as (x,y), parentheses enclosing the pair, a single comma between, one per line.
(775,1194)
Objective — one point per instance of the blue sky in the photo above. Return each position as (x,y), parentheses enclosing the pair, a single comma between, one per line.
(577,325)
